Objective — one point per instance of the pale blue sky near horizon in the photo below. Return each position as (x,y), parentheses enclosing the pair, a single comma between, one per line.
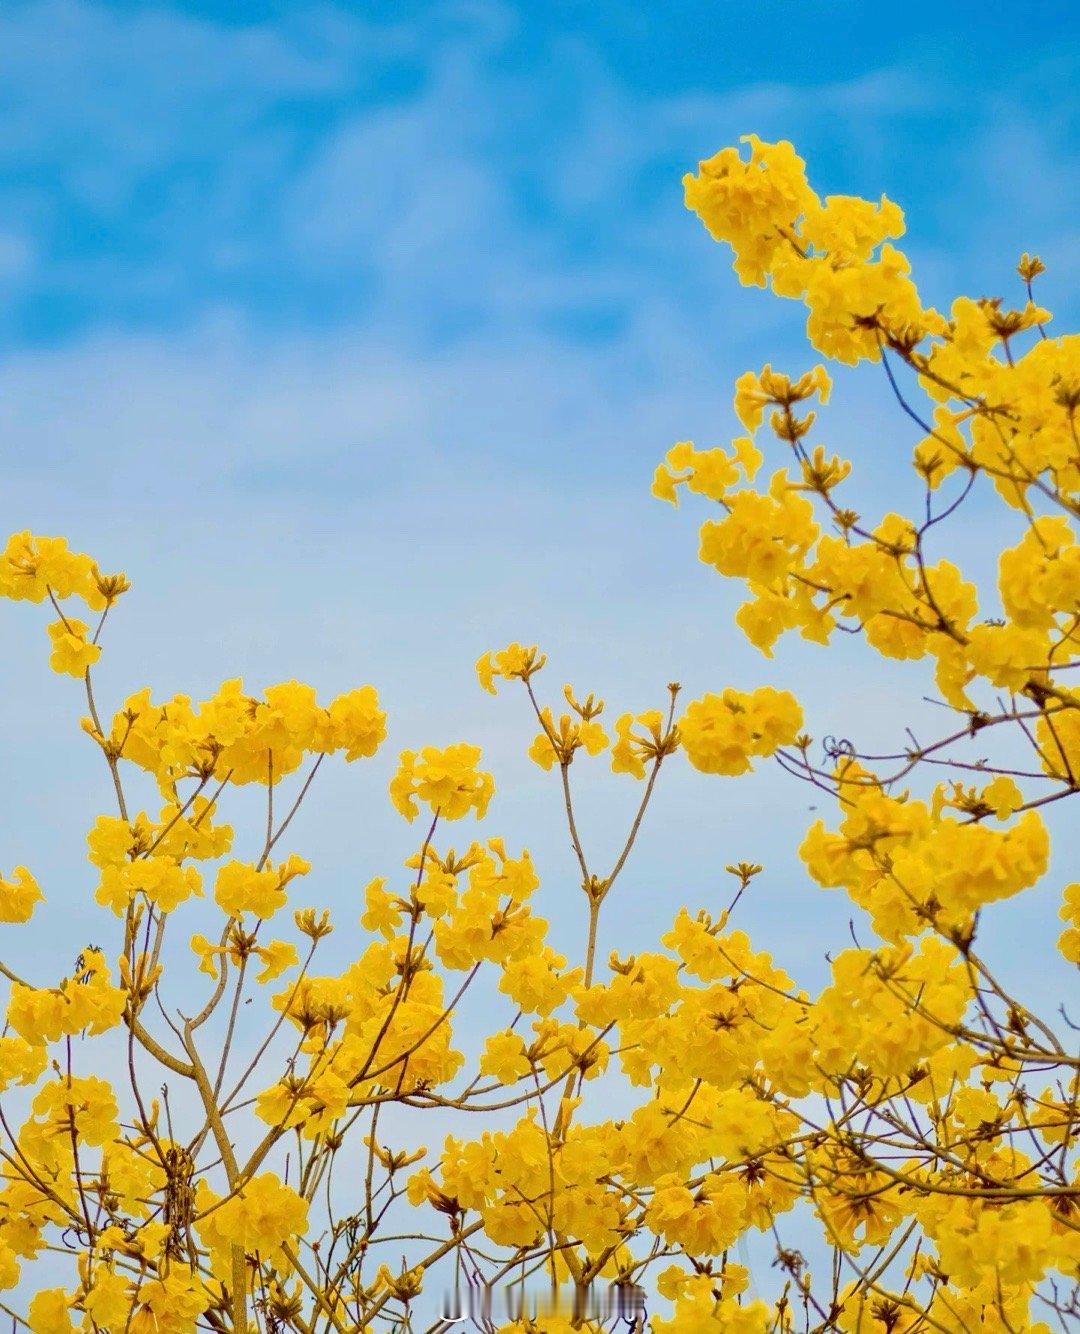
(354,334)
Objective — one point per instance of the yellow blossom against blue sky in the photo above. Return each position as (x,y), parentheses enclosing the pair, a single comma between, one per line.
(354,334)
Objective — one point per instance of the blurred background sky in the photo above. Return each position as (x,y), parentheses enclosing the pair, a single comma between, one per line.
(354,333)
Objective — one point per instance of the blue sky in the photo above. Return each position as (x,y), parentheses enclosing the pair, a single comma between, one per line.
(443,172)
(354,333)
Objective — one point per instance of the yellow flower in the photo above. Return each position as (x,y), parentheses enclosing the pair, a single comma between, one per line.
(107,1300)
(206,952)
(851,229)
(171,1304)
(756,391)
(1069,940)
(21,1062)
(535,984)
(240,887)
(751,204)
(357,723)
(72,654)
(382,910)
(261,1216)
(558,742)
(448,781)
(88,1104)
(163,880)
(762,538)
(32,567)
(1005,654)
(19,896)
(94,1004)
(515,662)
(277,957)
(504,1058)
(1003,796)
(36,1014)
(705,1222)
(632,749)
(722,733)
(48,1312)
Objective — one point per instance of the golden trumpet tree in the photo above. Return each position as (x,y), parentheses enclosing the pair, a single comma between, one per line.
(912,1127)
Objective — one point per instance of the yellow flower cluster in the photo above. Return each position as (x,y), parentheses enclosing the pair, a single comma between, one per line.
(722,733)
(911,865)
(260,1218)
(19,896)
(32,568)
(513,663)
(623,1118)
(242,888)
(35,568)
(829,253)
(1007,413)
(237,737)
(448,781)
(557,742)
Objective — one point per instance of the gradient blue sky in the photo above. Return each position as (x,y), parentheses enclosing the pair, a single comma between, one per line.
(354,333)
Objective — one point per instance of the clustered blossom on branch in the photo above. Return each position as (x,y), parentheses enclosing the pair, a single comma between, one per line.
(916,1118)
